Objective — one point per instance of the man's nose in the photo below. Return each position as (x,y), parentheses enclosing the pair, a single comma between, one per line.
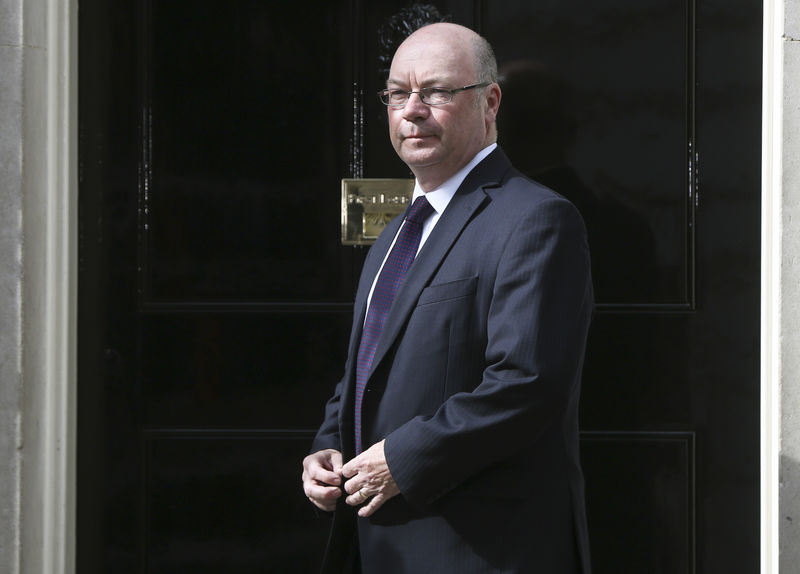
(415,107)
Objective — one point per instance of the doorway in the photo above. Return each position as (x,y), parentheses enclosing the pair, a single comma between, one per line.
(215,293)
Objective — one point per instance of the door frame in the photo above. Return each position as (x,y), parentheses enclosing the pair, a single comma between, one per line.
(773,316)
(47,505)
(50,262)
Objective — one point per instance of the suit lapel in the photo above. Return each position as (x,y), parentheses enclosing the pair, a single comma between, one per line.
(469,197)
(372,265)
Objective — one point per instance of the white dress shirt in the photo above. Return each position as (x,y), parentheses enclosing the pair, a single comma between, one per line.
(439,199)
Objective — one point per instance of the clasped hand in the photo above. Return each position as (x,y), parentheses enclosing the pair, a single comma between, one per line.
(367,479)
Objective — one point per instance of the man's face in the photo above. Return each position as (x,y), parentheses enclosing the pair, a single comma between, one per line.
(437,141)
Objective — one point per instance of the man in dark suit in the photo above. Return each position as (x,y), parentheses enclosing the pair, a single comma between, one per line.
(451,443)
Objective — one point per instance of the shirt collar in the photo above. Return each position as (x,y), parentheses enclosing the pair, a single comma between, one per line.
(440,197)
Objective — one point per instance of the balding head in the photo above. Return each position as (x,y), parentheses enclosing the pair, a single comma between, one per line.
(437,141)
(482,53)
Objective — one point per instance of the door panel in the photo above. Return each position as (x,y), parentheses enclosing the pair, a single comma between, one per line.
(230,370)
(598,105)
(641,490)
(217,501)
(215,295)
(214,292)
(244,129)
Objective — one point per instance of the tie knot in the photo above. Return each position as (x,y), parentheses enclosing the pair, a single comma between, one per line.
(420,210)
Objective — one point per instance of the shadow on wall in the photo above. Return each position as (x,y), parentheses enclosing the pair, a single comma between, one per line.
(789,510)
(537,131)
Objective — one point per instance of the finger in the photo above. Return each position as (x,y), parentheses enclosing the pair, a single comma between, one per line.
(323,475)
(323,505)
(323,466)
(350,469)
(354,465)
(353,485)
(356,493)
(322,495)
(358,498)
(372,505)
(318,489)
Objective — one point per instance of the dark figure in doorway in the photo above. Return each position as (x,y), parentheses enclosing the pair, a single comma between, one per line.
(451,443)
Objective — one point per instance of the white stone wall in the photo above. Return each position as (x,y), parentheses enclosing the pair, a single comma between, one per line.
(38,191)
(11,63)
(790,296)
(35,513)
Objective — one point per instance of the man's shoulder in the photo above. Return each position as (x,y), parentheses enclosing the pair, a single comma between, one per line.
(501,179)
(518,189)
(519,201)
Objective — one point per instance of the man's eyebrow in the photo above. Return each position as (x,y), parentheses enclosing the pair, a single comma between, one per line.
(429,83)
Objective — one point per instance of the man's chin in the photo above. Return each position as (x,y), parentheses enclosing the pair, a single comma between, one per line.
(420,157)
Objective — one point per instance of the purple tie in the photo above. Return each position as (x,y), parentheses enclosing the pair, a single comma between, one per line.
(391,276)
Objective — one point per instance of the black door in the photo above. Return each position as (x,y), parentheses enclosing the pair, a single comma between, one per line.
(215,294)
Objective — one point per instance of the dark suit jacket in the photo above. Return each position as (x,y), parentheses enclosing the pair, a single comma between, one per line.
(475,386)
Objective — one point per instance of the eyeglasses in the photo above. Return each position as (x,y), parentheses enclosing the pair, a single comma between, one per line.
(430,96)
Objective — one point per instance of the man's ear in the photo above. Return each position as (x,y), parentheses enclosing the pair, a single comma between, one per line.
(493,97)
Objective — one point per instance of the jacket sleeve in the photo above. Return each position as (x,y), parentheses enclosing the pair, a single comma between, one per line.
(538,319)
(328,434)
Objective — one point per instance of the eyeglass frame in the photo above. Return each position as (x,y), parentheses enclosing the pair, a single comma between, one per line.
(422,96)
